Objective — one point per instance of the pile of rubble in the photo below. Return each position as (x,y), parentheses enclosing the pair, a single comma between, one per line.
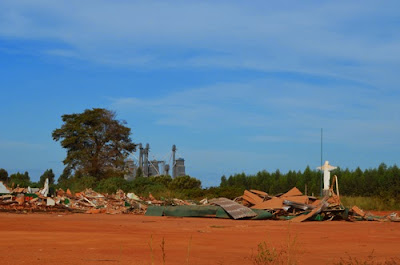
(294,205)
(297,207)
(253,204)
(258,205)
(87,201)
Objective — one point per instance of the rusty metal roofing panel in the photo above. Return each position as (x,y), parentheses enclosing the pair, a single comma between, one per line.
(293,192)
(234,209)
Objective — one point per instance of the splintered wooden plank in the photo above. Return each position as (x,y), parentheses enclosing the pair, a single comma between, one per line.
(251,197)
(358,211)
(272,204)
(317,210)
(234,209)
(259,192)
(298,199)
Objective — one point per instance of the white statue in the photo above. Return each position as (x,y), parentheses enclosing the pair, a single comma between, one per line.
(45,189)
(327,174)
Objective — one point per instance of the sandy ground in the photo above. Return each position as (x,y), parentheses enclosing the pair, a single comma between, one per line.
(126,239)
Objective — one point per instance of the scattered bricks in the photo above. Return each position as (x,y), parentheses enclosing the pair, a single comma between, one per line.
(60,193)
(20,199)
(33,200)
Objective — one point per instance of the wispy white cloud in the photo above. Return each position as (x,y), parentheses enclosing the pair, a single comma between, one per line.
(273,110)
(342,39)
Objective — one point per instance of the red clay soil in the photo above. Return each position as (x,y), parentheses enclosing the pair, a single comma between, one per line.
(126,239)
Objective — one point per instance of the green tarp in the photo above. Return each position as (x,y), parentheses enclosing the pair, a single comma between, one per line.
(183,211)
(155,211)
(262,215)
(222,214)
(191,210)
(199,211)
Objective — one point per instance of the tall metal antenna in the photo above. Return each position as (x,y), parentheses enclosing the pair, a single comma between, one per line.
(173,161)
(321,164)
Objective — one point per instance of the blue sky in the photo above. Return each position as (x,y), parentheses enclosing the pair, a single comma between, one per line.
(237,87)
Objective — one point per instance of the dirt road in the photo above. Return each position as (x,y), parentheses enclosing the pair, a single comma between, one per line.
(130,239)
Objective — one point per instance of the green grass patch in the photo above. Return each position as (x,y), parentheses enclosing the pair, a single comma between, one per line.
(371,203)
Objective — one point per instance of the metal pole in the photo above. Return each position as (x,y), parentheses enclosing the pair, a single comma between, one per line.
(321,164)
(173,161)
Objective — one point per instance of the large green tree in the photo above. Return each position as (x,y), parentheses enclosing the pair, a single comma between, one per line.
(97,143)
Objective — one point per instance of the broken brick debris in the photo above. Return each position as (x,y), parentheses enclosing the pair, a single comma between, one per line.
(292,205)
(297,207)
(86,201)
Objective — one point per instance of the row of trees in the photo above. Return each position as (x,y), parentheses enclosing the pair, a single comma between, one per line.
(24,180)
(383,181)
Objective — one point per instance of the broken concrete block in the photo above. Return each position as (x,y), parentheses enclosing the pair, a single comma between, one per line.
(50,202)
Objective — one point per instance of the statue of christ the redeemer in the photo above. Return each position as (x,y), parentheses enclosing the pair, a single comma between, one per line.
(327,174)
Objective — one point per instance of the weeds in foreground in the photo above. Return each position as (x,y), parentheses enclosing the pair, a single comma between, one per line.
(369,260)
(162,246)
(151,250)
(163,252)
(188,250)
(292,248)
(268,254)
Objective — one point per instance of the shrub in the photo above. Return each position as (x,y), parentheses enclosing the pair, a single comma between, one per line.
(185,183)
(111,185)
(163,180)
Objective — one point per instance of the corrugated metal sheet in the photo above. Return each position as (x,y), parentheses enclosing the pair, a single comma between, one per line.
(234,209)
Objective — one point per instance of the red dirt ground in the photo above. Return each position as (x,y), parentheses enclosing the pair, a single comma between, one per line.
(125,239)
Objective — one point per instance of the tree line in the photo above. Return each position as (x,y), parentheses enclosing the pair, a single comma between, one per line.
(24,180)
(382,182)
